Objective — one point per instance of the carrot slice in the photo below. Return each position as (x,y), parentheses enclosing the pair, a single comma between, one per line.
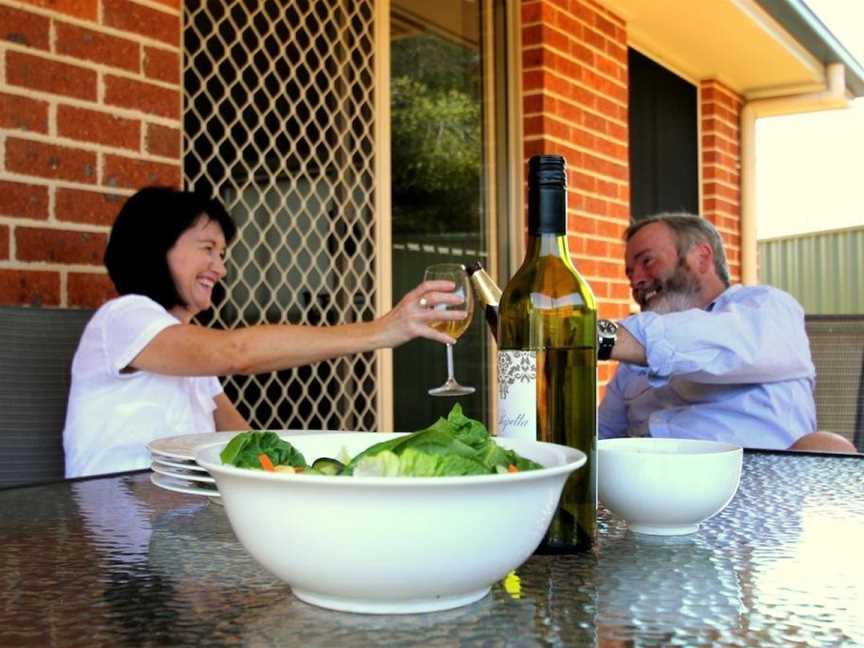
(512,468)
(265,462)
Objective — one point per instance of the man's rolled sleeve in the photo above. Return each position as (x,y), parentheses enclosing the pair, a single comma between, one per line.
(649,330)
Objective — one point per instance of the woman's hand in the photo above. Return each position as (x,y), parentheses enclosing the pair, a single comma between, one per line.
(411,316)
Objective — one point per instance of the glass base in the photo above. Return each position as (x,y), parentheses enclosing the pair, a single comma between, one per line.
(451,388)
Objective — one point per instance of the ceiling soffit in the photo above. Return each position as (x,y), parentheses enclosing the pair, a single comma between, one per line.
(733,41)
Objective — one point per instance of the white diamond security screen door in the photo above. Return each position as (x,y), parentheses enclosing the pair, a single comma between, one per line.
(278,123)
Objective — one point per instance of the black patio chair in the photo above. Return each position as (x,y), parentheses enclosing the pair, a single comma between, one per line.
(36,350)
(837,347)
(858,440)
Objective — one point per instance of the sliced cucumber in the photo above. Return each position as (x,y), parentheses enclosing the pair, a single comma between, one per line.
(327,466)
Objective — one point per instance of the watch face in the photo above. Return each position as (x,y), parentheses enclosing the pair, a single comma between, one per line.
(607,327)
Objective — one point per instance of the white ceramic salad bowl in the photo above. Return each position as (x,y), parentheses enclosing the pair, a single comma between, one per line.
(388,545)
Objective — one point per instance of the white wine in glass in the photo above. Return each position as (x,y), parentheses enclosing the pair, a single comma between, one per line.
(454,272)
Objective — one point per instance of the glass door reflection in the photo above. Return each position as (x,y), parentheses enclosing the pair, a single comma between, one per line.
(439,205)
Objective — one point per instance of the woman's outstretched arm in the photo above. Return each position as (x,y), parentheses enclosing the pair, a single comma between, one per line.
(191,350)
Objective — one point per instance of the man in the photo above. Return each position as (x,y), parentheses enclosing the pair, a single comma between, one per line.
(705,359)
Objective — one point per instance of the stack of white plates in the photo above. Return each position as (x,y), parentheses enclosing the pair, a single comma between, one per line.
(174,467)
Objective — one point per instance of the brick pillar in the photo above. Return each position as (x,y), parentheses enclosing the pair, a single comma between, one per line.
(721,166)
(574,83)
(89,112)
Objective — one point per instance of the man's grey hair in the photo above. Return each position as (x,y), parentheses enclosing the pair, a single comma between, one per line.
(689,231)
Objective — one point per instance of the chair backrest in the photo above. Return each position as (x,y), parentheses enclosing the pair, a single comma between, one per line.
(858,439)
(837,346)
(36,350)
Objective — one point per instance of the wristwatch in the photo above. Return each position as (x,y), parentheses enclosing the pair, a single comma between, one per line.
(607,331)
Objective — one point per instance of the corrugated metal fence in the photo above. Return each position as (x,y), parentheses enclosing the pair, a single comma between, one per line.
(824,271)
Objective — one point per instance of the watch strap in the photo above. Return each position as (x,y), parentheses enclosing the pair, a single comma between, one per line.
(606,340)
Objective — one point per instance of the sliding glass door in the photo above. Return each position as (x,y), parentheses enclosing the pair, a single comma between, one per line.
(440,147)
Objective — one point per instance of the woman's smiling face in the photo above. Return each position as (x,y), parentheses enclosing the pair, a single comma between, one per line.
(197,264)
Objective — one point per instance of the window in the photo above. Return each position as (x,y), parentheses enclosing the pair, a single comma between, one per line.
(664,162)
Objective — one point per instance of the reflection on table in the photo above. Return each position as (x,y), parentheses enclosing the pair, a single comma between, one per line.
(117,561)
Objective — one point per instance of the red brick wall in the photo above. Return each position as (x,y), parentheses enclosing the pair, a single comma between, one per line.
(721,165)
(89,112)
(574,83)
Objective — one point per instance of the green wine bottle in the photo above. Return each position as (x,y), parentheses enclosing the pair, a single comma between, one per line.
(547,359)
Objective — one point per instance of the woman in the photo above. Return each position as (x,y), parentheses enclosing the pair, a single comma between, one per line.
(143,370)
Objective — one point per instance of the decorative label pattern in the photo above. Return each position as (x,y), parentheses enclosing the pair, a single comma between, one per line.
(515,367)
(517,394)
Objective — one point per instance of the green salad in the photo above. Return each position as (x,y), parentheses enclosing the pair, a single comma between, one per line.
(451,447)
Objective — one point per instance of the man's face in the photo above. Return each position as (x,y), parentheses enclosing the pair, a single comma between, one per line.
(660,280)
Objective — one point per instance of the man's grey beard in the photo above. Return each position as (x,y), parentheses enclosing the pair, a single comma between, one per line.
(679,292)
(673,302)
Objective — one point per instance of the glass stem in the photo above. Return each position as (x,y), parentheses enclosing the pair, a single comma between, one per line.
(450,376)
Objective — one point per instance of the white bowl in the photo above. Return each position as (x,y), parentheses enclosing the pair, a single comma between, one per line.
(390,544)
(666,486)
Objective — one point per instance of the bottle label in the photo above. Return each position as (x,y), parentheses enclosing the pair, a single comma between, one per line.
(517,394)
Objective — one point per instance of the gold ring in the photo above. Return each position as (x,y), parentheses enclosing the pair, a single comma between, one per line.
(423,303)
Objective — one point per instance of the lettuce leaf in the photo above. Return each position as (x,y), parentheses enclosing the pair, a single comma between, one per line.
(414,462)
(243,451)
(384,464)
(451,447)
(454,446)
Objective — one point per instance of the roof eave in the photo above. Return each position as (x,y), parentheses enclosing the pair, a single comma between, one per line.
(800,21)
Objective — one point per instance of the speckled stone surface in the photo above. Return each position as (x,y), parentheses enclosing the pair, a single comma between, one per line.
(117,561)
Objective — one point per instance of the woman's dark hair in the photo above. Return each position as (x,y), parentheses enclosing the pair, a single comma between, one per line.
(148,225)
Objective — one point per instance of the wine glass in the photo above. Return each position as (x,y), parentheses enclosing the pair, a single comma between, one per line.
(454,272)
